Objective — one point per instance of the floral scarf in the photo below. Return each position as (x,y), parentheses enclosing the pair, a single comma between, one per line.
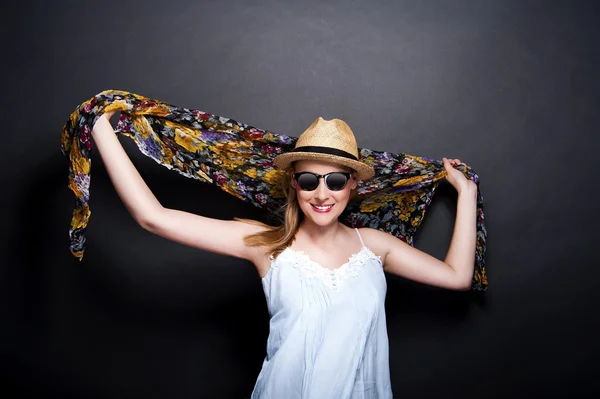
(239,159)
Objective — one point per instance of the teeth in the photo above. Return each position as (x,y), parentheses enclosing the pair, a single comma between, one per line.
(322,208)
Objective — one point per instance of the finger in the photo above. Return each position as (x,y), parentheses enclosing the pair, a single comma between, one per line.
(447,164)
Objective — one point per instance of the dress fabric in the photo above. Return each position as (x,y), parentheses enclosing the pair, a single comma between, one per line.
(328,335)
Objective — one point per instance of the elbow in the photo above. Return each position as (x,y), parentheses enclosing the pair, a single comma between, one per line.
(148,220)
(460,282)
(465,287)
(464,284)
(145,223)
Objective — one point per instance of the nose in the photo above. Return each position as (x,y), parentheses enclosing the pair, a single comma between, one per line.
(321,192)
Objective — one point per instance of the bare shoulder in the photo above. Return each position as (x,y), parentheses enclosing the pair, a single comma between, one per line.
(371,236)
(379,242)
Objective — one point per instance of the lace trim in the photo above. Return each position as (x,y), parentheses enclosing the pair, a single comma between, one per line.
(333,278)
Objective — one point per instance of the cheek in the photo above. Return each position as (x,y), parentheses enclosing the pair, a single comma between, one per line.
(303,197)
(342,196)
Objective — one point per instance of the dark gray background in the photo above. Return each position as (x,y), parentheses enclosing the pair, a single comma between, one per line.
(509,87)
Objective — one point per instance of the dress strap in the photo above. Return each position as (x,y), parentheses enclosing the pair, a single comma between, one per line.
(360,237)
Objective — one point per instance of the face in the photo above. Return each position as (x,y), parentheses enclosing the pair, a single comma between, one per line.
(322,206)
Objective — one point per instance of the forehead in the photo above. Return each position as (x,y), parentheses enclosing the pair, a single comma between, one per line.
(319,167)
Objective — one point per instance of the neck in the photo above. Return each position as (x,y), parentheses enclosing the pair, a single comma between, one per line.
(321,236)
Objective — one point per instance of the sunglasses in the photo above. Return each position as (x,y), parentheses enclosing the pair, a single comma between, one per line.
(335,181)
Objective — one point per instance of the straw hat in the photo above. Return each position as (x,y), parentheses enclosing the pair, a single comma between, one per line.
(328,141)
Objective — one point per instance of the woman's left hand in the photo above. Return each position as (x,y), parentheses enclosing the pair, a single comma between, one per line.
(457,178)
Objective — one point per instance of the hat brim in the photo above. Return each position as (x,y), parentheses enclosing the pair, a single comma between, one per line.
(363,171)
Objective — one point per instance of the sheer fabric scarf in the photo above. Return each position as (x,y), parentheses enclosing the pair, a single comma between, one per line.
(239,159)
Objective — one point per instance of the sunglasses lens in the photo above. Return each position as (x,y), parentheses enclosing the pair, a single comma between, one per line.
(336,181)
(307,181)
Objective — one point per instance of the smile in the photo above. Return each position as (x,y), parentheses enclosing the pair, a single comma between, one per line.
(322,208)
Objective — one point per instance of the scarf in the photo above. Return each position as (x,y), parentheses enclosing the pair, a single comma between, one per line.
(238,158)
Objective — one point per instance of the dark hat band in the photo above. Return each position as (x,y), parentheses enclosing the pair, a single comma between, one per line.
(325,150)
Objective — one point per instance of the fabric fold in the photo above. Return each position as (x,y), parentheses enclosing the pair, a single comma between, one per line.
(238,158)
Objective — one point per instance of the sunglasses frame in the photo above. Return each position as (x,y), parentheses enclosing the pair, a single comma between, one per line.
(347,175)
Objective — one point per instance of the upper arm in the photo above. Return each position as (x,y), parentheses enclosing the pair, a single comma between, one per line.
(402,259)
(214,235)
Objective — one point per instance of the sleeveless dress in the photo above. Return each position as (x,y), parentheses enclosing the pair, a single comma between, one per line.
(327,336)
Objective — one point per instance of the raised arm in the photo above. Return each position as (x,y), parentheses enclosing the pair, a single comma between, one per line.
(456,271)
(214,235)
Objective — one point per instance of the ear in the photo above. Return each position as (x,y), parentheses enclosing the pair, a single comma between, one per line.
(292,180)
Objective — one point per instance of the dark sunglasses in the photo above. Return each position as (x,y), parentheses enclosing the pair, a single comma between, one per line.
(335,181)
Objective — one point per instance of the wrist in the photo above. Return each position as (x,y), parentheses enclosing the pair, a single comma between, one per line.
(102,125)
(468,189)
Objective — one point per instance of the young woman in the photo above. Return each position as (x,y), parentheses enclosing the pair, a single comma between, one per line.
(323,281)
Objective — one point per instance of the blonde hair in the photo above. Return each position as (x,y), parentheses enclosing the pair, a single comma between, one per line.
(277,238)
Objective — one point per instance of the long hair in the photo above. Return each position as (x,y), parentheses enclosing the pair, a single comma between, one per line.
(276,238)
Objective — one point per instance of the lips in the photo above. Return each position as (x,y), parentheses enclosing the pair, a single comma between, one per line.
(322,208)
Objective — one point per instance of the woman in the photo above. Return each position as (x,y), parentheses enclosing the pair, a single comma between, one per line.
(323,281)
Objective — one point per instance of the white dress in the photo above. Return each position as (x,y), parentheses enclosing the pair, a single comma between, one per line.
(328,336)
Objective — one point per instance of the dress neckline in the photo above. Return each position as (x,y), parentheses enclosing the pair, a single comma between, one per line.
(333,278)
(331,270)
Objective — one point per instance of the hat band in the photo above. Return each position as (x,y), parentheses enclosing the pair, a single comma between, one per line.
(325,150)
